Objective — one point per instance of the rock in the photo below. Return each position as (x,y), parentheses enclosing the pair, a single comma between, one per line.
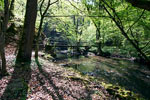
(90,54)
(148,76)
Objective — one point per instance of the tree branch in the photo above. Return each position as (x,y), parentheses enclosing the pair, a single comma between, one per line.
(54,2)
(114,12)
(136,21)
(48,5)
(75,7)
(41,7)
(75,15)
(146,45)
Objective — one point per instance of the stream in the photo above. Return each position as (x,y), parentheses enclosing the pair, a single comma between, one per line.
(125,73)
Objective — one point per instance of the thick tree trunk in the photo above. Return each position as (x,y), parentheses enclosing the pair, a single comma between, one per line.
(25,47)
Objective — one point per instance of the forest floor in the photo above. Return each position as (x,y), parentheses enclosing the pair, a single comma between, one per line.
(43,80)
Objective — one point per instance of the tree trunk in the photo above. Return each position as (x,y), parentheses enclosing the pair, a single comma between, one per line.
(40,26)
(2,52)
(99,44)
(98,36)
(11,11)
(2,36)
(37,38)
(25,47)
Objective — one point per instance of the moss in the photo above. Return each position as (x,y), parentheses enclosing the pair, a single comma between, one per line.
(116,91)
(121,93)
(48,57)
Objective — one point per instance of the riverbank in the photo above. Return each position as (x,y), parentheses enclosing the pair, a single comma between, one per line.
(44,80)
(121,72)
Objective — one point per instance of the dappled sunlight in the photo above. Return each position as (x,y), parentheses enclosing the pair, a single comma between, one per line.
(74,50)
(53,81)
(48,81)
(116,71)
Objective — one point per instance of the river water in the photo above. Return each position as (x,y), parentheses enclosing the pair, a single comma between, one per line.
(125,73)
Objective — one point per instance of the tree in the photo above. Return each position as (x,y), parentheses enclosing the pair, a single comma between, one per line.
(96,22)
(11,10)
(3,28)
(119,24)
(125,19)
(25,47)
(42,15)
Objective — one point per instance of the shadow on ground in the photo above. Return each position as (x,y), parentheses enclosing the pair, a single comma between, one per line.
(58,92)
(58,96)
(17,87)
(45,81)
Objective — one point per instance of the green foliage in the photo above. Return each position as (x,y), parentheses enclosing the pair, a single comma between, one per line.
(19,10)
(1,5)
(83,29)
(133,22)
